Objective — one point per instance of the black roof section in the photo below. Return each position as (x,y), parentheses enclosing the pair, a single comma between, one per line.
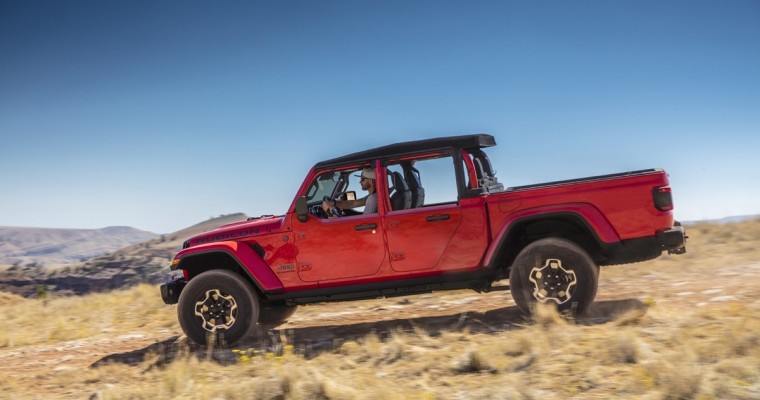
(399,149)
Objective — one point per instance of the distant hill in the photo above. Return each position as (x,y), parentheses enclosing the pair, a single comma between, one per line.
(146,261)
(45,246)
(724,220)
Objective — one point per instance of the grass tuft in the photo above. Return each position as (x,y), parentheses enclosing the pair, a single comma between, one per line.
(623,347)
(471,361)
(546,316)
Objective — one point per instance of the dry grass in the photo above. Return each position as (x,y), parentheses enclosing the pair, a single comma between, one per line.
(664,356)
(97,316)
(677,348)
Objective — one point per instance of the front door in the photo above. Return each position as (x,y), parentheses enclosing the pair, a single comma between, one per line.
(339,248)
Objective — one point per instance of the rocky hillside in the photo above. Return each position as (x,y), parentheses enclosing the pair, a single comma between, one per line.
(143,262)
(46,246)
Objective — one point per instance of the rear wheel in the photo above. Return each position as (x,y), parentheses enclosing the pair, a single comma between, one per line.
(272,317)
(554,270)
(217,306)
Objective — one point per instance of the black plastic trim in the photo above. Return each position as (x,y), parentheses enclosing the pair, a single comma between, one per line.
(364,227)
(234,258)
(646,248)
(672,238)
(504,246)
(479,280)
(170,291)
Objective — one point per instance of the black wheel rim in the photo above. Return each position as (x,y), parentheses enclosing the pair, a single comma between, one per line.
(553,282)
(216,310)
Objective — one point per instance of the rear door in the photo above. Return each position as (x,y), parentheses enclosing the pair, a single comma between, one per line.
(418,237)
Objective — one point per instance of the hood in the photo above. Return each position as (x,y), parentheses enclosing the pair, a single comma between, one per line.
(238,230)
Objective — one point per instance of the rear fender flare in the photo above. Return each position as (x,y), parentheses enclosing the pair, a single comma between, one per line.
(586,214)
(244,255)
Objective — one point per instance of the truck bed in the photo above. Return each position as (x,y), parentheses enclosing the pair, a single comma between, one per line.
(587,179)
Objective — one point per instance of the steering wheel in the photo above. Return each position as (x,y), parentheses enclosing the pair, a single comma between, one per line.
(335,210)
(317,211)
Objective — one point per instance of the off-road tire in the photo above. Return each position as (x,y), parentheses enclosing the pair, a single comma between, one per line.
(555,271)
(237,304)
(274,316)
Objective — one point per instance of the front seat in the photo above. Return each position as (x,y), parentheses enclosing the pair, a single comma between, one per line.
(401,199)
(415,186)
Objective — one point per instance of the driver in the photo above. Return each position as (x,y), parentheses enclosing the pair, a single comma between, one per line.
(369,201)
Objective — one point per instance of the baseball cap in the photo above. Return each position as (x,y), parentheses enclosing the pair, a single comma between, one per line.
(368,173)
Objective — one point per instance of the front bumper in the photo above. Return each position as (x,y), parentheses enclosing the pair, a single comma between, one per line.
(673,240)
(170,290)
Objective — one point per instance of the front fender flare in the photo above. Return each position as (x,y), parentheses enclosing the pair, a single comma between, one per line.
(248,260)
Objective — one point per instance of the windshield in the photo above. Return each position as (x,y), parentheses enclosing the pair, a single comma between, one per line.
(323,186)
(333,184)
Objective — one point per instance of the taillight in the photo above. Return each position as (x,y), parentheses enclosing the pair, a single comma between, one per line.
(663,199)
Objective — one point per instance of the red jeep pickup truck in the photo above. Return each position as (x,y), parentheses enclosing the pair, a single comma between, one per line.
(443,221)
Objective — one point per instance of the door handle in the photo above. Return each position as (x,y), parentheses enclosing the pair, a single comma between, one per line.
(365,227)
(438,217)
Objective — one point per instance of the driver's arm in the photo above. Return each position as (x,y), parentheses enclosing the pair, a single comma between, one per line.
(346,204)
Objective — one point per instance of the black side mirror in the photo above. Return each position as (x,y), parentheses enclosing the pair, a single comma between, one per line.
(302,209)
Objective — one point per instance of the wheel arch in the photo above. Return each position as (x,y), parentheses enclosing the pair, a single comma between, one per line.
(243,260)
(524,230)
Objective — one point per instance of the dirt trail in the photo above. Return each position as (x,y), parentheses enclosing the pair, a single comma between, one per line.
(319,327)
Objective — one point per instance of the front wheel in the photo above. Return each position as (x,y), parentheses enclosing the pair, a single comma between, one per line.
(217,306)
(553,270)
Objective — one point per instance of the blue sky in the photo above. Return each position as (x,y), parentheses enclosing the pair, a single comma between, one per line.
(160,114)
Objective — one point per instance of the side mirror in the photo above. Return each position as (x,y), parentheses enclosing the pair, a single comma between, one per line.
(350,195)
(302,209)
